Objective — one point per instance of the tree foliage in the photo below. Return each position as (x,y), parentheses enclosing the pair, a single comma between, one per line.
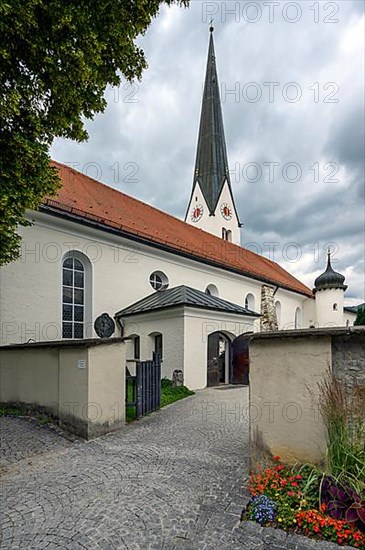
(360,317)
(56,59)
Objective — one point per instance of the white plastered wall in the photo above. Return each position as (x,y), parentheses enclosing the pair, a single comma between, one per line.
(170,324)
(185,334)
(214,224)
(30,288)
(326,300)
(198,325)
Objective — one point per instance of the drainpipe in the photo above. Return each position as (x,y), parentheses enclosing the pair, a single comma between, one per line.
(120,325)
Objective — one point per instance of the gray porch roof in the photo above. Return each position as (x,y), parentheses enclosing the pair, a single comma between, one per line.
(183,296)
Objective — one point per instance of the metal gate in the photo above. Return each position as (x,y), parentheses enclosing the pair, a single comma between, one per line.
(146,387)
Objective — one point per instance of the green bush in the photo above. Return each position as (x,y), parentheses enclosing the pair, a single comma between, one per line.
(360,317)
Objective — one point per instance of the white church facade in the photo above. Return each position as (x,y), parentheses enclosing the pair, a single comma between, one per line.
(186,289)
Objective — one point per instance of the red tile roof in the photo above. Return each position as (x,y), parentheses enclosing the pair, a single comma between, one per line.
(86,198)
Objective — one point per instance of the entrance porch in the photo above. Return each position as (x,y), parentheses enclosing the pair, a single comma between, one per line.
(197,335)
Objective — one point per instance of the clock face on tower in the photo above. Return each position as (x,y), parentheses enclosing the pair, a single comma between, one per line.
(196,213)
(226,211)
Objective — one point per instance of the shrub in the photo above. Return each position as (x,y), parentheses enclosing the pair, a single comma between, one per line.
(360,317)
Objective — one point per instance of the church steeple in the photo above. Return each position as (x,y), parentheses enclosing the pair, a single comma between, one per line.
(211,174)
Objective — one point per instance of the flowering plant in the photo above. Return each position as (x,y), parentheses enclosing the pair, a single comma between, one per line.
(284,496)
(314,522)
(282,485)
(262,509)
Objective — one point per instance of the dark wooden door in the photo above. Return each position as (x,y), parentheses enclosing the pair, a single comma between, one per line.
(240,360)
(213,366)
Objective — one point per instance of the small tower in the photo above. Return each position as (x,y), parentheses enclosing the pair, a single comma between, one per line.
(329,289)
(211,206)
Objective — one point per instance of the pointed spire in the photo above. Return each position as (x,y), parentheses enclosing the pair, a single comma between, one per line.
(211,167)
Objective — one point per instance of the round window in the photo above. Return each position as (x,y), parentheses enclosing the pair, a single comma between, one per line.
(159,280)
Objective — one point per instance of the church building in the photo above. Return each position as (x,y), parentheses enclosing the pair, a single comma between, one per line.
(186,289)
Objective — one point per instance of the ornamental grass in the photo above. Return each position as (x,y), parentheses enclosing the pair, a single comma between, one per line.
(330,504)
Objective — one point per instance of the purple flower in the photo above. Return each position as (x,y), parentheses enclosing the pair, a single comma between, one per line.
(262,509)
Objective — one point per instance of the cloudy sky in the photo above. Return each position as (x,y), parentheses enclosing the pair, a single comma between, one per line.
(292,93)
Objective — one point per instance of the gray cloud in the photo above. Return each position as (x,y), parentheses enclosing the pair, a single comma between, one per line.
(149,131)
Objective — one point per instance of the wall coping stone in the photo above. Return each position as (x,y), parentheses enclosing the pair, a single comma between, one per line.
(307,333)
(86,343)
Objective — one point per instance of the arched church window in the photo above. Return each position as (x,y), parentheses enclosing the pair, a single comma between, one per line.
(250,302)
(298,318)
(335,307)
(212,290)
(76,274)
(226,234)
(159,281)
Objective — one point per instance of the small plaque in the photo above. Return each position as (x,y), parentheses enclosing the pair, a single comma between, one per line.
(104,326)
(81,364)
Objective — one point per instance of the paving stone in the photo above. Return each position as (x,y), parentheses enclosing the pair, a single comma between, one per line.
(172,481)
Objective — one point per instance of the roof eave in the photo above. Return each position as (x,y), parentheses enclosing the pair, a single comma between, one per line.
(137,238)
(122,315)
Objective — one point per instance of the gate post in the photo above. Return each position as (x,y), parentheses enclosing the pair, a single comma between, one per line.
(157,379)
(139,384)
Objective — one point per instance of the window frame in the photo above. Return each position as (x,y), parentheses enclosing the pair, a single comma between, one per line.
(137,347)
(158,281)
(88,330)
(250,298)
(77,326)
(158,344)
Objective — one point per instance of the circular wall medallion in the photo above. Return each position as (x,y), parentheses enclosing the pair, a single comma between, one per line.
(197,213)
(104,326)
(226,211)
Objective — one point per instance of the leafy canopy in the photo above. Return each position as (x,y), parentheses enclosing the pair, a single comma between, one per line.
(360,317)
(56,59)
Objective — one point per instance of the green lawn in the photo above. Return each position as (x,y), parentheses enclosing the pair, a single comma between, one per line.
(169,394)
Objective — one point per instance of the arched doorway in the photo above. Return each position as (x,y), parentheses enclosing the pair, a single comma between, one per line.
(219,359)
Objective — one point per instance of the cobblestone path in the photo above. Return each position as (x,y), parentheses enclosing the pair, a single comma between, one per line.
(23,437)
(170,481)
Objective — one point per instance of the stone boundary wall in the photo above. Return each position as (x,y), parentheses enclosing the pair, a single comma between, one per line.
(81,384)
(285,369)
